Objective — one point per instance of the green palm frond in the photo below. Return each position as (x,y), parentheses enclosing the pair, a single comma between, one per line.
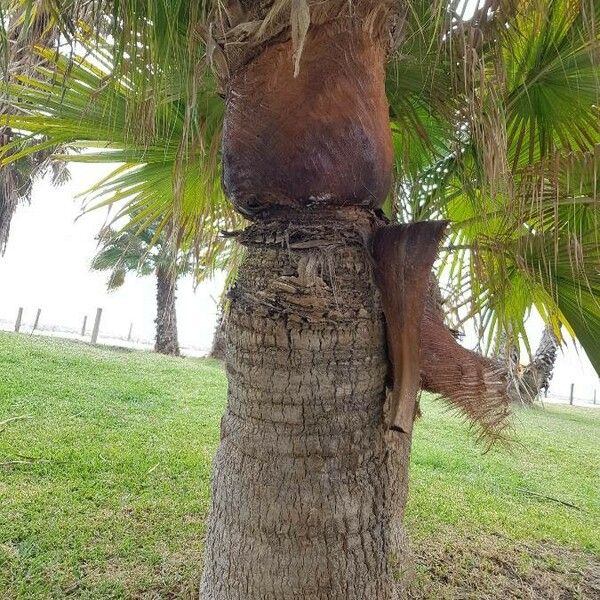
(494,119)
(510,153)
(78,102)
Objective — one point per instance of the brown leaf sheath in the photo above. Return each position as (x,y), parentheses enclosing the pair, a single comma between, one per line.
(404,256)
(318,138)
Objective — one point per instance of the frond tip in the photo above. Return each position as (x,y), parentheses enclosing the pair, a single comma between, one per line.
(475,385)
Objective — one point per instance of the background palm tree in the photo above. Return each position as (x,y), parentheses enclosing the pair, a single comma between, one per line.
(528,382)
(23,27)
(145,253)
(494,126)
(534,379)
(17,180)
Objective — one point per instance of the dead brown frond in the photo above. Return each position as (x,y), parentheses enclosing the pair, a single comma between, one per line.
(404,256)
(475,385)
(241,30)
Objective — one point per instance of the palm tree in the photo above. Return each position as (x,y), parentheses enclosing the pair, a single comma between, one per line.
(17,179)
(528,382)
(22,29)
(493,127)
(145,253)
(538,373)
(308,487)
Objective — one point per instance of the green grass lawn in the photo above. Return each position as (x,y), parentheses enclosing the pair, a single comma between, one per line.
(104,483)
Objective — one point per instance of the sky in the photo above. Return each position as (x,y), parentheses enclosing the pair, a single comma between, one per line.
(46,265)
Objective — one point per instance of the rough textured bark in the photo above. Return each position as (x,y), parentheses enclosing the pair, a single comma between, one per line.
(538,374)
(308,487)
(166,316)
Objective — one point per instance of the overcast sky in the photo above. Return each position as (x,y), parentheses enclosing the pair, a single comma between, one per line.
(47,261)
(46,265)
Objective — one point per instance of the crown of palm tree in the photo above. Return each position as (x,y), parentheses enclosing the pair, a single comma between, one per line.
(142,252)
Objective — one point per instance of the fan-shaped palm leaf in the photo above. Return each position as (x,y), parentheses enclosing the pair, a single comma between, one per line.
(78,102)
(493,114)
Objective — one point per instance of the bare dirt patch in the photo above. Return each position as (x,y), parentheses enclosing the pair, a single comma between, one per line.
(478,568)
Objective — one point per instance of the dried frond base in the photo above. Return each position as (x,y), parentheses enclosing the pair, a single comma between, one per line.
(404,255)
(244,27)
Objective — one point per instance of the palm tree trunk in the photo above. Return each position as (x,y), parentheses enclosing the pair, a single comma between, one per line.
(541,368)
(166,316)
(530,381)
(308,488)
(219,345)
(309,485)
(310,478)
